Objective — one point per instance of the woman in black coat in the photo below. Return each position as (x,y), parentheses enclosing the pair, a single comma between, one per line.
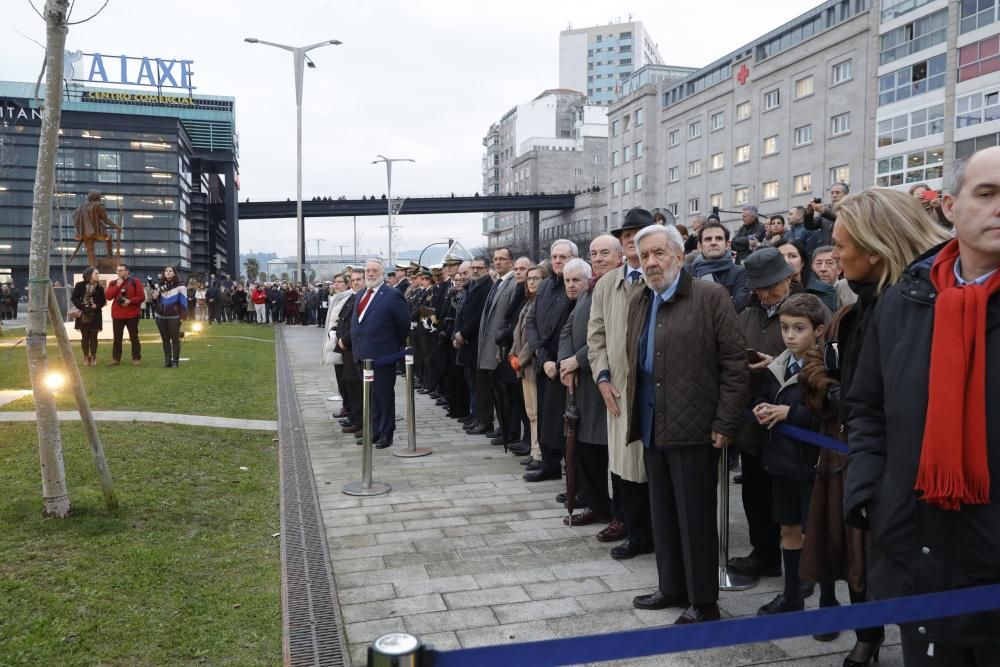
(88,297)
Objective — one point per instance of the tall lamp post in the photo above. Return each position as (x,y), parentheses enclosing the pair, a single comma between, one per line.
(299,59)
(388,176)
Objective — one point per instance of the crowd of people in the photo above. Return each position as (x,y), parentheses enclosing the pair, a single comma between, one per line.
(872,319)
(217,300)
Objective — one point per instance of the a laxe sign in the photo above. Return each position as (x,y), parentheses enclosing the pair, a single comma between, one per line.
(127,70)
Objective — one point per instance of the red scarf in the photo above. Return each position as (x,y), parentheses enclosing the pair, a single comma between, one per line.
(953,463)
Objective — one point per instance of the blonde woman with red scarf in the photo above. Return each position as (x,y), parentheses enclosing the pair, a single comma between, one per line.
(877,234)
(924,426)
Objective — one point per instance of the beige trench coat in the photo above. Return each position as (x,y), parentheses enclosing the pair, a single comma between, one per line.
(606,342)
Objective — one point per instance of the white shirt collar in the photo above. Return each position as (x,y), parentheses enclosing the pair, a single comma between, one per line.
(962,281)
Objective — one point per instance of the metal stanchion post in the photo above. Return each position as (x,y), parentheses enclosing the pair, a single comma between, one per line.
(397,649)
(729,580)
(411,450)
(366,487)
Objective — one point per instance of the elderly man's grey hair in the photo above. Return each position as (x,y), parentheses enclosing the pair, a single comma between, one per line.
(674,237)
(566,242)
(958,176)
(577,265)
(376,260)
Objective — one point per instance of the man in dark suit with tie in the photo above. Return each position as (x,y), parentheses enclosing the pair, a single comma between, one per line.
(466,336)
(380,323)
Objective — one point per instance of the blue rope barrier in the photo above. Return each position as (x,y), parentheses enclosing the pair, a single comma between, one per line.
(811,438)
(673,639)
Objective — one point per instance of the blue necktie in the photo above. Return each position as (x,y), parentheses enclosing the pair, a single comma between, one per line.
(651,332)
(793,368)
(633,277)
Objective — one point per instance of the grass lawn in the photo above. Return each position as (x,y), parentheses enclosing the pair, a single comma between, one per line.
(227,376)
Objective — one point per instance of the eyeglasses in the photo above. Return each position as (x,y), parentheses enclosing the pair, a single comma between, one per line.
(534,278)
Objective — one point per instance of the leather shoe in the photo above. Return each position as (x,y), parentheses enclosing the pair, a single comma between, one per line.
(755,568)
(630,549)
(526,461)
(340,414)
(494,433)
(579,501)
(453,415)
(467,419)
(482,429)
(475,423)
(699,614)
(780,605)
(520,451)
(806,589)
(382,443)
(584,518)
(658,600)
(533,465)
(344,422)
(351,429)
(614,532)
(541,475)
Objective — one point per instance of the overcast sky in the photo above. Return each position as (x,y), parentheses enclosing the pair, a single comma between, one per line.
(414,78)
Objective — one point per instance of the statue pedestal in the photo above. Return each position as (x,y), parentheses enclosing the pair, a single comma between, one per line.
(106,332)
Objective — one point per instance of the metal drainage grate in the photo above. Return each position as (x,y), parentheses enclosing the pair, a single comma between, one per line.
(311,630)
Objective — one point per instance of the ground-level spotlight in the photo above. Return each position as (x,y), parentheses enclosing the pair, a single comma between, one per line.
(54,380)
(196,327)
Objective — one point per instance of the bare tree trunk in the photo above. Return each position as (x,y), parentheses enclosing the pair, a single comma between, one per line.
(55,495)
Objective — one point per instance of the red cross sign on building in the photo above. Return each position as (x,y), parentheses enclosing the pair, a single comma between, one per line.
(742,74)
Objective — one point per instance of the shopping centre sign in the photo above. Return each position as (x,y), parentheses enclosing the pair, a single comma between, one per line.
(127,70)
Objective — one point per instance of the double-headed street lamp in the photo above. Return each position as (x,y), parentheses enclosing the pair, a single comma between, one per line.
(299,58)
(388,175)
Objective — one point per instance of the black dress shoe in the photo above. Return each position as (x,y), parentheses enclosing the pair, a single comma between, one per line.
(526,461)
(471,425)
(579,501)
(534,465)
(658,600)
(754,567)
(441,401)
(541,475)
(344,422)
(351,429)
(503,441)
(467,419)
(382,443)
(482,429)
(493,433)
(453,415)
(520,451)
(781,604)
(699,614)
(630,549)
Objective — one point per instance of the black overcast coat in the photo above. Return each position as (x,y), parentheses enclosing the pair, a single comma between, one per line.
(918,548)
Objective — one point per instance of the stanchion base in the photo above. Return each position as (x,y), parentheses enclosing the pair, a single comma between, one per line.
(411,453)
(334,398)
(358,489)
(731,580)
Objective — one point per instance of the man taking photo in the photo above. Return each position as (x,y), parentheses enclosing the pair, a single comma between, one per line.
(126,296)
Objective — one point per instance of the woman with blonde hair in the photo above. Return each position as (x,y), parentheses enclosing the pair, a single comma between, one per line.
(521,356)
(878,233)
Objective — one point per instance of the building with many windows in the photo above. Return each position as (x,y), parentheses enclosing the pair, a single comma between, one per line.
(166,165)
(597,59)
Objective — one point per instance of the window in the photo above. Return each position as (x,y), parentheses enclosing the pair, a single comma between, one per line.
(107,163)
(627,154)
(840,174)
(914,37)
(803,135)
(626,186)
(672,207)
(801,184)
(770,190)
(742,153)
(715,201)
(772,99)
(674,138)
(770,145)
(638,117)
(694,130)
(967,147)
(718,161)
(893,9)
(626,122)
(742,111)
(976,14)
(922,123)
(616,126)
(741,195)
(674,175)
(910,168)
(840,124)
(981,107)
(638,181)
(914,80)
(694,168)
(717,121)
(614,188)
(840,72)
(804,87)
(979,58)
(694,205)
(638,150)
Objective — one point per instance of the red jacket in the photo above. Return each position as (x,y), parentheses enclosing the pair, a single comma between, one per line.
(133,291)
(258,296)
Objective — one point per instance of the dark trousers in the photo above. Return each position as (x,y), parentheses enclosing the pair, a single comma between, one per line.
(484,396)
(458,391)
(88,340)
(948,655)
(470,383)
(383,406)
(682,498)
(170,329)
(321,319)
(503,397)
(592,473)
(118,327)
(338,373)
(765,534)
(631,507)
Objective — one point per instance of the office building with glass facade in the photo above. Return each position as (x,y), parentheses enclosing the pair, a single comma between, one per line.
(166,165)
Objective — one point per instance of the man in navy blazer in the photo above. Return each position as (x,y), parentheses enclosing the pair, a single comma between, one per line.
(379,326)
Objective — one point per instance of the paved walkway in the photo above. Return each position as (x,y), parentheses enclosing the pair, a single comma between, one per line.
(463,553)
(159,417)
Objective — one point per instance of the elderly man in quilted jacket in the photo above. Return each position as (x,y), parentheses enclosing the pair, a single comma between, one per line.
(687,387)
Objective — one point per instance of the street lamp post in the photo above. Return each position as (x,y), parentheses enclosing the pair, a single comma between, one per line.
(299,59)
(388,176)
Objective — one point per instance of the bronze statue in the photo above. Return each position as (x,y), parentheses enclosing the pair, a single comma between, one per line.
(91,221)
